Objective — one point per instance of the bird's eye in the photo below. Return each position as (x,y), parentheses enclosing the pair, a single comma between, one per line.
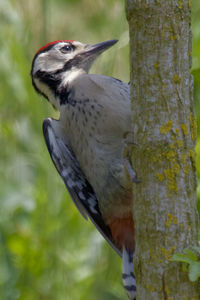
(66,49)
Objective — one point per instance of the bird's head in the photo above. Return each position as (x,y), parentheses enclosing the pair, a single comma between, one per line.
(56,62)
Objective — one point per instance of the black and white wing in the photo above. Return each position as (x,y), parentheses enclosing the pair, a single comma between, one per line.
(77,185)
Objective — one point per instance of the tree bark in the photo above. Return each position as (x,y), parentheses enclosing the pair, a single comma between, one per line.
(164,131)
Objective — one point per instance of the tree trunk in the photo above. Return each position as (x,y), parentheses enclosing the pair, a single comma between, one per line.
(164,130)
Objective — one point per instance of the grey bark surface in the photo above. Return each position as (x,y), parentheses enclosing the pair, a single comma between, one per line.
(164,129)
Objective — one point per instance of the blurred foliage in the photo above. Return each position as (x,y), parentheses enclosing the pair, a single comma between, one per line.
(47,251)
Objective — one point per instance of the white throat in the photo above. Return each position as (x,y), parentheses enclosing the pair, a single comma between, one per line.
(69,76)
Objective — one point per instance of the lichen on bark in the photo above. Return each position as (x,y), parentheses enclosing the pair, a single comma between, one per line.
(164,130)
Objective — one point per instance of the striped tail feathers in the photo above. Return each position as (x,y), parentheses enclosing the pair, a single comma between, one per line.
(128,277)
(123,234)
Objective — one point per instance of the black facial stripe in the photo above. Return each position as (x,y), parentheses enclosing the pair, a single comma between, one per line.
(75,61)
(50,79)
(67,66)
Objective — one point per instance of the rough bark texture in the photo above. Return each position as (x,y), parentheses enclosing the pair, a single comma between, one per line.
(165,131)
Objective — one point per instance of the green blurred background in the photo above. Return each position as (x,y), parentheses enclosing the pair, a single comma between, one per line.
(47,250)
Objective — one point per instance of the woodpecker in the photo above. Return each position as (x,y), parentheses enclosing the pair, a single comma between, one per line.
(86,144)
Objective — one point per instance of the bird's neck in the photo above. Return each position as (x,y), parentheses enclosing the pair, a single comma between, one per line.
(56,87)
(69,76)
(65,91)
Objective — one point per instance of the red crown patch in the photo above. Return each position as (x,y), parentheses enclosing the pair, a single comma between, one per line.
(52,43)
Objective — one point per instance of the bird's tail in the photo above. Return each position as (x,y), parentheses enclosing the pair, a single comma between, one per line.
(128,277)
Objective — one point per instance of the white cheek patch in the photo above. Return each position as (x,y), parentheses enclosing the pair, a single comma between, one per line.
(52,65)
(47,62)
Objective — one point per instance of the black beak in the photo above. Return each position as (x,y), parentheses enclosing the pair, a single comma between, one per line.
(99,48)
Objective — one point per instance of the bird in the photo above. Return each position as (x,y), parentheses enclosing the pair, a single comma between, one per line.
(86,143)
